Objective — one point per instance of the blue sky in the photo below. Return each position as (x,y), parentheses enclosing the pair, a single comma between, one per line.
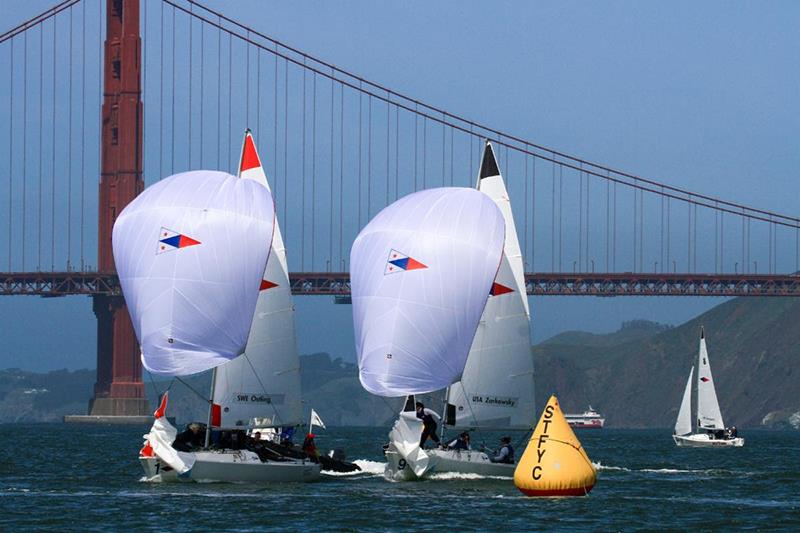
(698,95)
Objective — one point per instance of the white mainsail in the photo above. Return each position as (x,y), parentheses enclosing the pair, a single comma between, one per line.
(264,383)
(421,272)
(189,270)
(497,386)
(708,413)
(683,425)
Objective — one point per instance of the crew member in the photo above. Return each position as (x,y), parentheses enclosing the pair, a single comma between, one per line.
(506,452)
(459,443)
(429,418)
(189,439)
(310,448)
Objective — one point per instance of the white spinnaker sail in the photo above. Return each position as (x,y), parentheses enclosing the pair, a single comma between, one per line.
(421,272)
(683,425)
(496,389)
(263,384)
(189,267)
(708,413)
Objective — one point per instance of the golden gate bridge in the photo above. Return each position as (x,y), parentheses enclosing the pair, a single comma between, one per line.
(174,85)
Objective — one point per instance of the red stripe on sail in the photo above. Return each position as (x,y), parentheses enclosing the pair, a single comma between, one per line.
(249,155)
(216,415)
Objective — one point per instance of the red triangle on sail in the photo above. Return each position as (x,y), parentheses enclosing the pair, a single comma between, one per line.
(266,284)
(413,264)
(187,241)
(498,289)
(704,379)
(249,154)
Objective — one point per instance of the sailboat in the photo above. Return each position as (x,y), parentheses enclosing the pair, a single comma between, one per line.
(257,391)
(710,430)
(496,389)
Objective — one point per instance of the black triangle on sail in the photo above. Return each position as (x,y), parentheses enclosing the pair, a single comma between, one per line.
(489,164)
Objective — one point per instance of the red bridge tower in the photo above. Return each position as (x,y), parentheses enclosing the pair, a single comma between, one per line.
(119,390)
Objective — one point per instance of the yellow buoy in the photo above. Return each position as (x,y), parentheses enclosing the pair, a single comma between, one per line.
(554,462)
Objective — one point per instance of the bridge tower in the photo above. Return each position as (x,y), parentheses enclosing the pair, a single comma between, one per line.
(119,390)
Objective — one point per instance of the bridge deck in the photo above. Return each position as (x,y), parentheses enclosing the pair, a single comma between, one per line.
(52,284)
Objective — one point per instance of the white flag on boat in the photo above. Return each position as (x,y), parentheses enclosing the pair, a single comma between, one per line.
(316,420)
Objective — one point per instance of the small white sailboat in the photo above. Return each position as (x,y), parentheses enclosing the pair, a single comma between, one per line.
(257,391)
(710,431)
(496,389)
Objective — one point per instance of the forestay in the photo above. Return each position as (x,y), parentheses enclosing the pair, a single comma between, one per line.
(683,426)
(263,384)
(421,272)
(708,413)
(189,255)
(497,386)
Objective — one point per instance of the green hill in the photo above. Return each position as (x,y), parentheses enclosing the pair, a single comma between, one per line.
(754,347)
(634,376)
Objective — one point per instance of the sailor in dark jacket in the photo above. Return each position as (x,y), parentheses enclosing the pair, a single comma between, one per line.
(429,418)
(506,452)
(190,439)
(459,443)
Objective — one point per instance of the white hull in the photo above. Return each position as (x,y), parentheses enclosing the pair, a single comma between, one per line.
(439,461)
(233,467)
(703,440)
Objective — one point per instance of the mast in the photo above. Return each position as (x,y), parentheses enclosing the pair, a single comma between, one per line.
(211,406)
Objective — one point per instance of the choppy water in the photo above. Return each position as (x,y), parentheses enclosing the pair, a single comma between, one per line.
(69,477)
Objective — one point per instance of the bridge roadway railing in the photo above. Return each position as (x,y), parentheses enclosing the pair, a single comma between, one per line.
(53,284)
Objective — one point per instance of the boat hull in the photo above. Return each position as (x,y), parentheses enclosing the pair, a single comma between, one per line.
(232,467)
(702,440)
(440,461)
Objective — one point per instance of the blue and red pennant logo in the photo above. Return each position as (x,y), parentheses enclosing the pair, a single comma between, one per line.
(172,240)
(400,262)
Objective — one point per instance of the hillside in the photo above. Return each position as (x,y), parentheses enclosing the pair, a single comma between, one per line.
(634,376)
(754,347)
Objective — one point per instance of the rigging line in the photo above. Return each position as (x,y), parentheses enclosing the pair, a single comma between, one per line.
(247,85)
(424,153)
(258,94)
(497,133)
(397,152)
(263,388)
(444,150)
(204,398)
(144,81)
(156,388)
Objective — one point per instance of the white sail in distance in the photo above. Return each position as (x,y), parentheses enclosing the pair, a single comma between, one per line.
(497,386)
(708,413)
(263,386)
(683,425)
(186,254)
(421,272)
